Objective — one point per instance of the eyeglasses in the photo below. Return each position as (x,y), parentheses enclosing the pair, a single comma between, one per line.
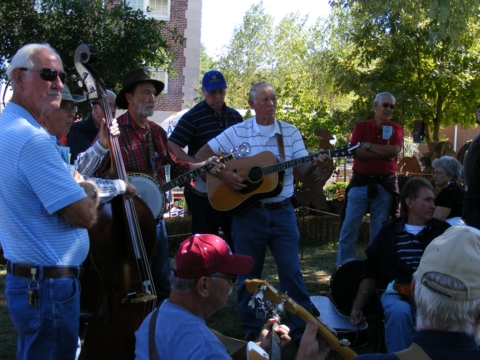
(231,278)
(68,108)
(438,173)
(48,74)
(386,105)
(218,92)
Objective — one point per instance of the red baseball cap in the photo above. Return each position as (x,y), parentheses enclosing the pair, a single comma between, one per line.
(205,254)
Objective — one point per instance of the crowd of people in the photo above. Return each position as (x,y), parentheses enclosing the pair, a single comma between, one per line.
(422,255)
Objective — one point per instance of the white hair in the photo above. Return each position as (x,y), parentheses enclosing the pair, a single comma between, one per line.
(384,95)
(440,313)
(23,57)
(252,95)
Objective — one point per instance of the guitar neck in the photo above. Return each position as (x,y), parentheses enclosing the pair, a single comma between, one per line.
(275,345)
(336,152)
(272,294)
(189,176)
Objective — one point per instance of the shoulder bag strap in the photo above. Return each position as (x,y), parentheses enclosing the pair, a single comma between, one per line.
(152,347)
(414,352)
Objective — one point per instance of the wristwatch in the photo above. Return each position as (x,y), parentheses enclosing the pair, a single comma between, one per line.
(368,145)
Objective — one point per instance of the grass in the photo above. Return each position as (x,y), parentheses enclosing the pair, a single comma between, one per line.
(317,264)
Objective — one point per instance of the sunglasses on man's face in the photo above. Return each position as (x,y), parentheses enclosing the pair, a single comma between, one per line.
(49,74)
(386,105)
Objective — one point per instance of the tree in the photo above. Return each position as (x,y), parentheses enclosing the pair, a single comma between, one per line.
(281,55)
(434,77)
(123,38)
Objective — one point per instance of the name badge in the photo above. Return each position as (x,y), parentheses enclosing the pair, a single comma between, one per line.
(387,132)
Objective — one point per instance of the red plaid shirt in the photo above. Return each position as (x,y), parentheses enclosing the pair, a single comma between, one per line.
(135,153)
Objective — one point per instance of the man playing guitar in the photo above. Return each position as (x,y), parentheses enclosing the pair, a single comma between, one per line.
(272,221)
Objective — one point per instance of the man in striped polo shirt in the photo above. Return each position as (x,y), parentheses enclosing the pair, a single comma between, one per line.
(203,122)
(44,212)
(270,222)
(393,257)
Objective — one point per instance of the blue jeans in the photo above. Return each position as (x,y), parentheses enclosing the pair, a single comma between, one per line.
(161,263)
(399,314)
(357,206)
(253,231)
(49,328)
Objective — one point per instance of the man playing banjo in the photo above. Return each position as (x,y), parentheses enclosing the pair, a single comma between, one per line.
(145,149)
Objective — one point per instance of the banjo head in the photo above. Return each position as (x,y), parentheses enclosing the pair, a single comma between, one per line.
(148,189)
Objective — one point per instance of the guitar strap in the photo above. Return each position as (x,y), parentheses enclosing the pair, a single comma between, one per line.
(281,149)
(152,347)
(413,352)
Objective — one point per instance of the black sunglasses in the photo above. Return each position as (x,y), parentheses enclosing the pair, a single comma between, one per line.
(49,74)
(386,105)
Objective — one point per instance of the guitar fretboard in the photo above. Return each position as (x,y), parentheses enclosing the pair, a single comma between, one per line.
(188,177)
(340,151)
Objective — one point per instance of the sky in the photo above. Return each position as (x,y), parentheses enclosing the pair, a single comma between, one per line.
(220,17)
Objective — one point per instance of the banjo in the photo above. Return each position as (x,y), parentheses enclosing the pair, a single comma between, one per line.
(153,194)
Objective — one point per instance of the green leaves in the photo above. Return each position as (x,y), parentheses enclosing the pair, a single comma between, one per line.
(123,38)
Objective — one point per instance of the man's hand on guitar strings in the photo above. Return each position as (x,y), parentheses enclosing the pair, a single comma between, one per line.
(319,162)
(265,337)
(217,165)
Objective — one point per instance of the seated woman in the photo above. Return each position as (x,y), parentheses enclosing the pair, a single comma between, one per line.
(449,201)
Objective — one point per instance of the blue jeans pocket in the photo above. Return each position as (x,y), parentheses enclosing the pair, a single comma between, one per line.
(25,317)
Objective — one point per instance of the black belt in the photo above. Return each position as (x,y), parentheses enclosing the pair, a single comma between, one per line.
(37,272)
(274,205)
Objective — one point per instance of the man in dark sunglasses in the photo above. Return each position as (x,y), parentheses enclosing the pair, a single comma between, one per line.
(45,213)
(203,272)
(373,187)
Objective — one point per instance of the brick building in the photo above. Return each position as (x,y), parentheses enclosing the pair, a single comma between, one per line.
(186,17)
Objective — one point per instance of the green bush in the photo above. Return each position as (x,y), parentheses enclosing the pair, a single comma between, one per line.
(330,191)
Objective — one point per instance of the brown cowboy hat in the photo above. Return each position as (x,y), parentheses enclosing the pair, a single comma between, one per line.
(130,80)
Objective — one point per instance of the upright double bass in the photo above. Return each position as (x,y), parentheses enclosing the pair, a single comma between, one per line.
(117,286)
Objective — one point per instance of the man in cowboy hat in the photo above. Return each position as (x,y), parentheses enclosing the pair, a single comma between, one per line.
(145,149)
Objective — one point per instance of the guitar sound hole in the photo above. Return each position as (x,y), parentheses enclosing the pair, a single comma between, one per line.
(255,174)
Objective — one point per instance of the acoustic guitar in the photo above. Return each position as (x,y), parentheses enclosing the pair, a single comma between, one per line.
(261,174)
(268,292)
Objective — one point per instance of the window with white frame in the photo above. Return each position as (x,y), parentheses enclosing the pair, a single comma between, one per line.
(158,9)
(161,75)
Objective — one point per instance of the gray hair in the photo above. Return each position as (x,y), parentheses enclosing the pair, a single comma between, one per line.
(23,57)
(452,166)
(411,189)
(252,94)
(440,313)
(182,285)
(384,95)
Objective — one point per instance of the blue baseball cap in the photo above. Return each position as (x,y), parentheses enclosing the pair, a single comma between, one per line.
(213,80)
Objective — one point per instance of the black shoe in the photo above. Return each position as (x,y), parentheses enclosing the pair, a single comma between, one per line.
(250,337)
